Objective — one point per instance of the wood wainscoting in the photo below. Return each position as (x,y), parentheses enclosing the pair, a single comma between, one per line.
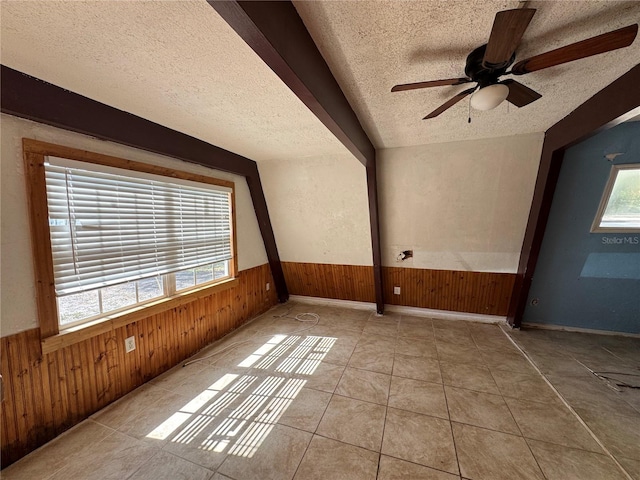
(47,394)
(344,282)
(471,292)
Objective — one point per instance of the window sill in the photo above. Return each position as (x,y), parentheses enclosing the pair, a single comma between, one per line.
(88,330)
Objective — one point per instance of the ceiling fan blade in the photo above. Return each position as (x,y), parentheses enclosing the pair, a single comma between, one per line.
(519,94)
(449,103)
(434,83)
(606,42)
(506,33)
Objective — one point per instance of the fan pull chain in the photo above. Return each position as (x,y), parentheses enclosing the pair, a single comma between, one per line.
(469,120)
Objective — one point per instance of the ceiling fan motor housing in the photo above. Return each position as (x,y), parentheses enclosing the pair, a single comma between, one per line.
(478,73)
(487,63)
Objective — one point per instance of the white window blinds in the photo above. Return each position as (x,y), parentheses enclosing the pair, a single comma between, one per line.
(111,225)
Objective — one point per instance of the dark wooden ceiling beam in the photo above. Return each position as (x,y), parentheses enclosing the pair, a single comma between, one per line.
(275,31)
(34,99)
(612,105)
(264,223)
(372,188)
(31,98)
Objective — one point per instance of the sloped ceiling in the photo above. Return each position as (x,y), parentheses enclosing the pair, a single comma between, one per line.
(179,64)
(176,63)
(372,45)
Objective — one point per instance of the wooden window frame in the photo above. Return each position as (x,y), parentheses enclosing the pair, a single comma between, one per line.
(35,153)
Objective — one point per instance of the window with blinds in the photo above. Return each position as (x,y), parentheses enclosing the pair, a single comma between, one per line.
(120,238)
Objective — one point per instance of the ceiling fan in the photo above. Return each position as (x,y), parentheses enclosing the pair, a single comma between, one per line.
(487,63)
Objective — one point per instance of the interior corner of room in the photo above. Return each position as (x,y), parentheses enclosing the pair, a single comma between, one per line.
(343,195)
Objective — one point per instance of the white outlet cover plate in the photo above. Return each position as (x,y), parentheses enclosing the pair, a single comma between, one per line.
(396,290)
(130,344)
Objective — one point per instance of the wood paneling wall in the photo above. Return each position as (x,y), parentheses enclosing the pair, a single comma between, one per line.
(344,282)
(47,394)
(471,292)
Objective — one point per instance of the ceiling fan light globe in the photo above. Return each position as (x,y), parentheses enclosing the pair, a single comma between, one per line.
(489,97)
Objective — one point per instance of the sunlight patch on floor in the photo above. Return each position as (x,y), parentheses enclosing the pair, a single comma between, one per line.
(237,412)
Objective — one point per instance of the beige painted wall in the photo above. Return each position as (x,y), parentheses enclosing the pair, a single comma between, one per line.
(17,293)
(459,205)
(319,209)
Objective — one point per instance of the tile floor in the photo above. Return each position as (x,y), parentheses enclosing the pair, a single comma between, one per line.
(355,396)
(611,411)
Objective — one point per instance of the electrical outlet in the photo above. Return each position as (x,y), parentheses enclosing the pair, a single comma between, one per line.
(268,286)
(130,344)
(396,290)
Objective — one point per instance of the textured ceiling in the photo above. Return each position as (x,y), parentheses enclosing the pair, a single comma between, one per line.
(179,64)
(372,45)
(176,63)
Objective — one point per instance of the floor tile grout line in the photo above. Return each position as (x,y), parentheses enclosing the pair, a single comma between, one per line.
(566,404)
(513,416)
(176,454)
(346,443)
(113,432)
(446,401)
(282,425)
(453,438)
(633,407)
(161,450)
(422,465)
(535,459)
(484,364)
(315,432)
(230,477)
(506,433)
(591,452)
(332,394)
(304,453)
(296,428)
(372,403)
(465,423)
(474,390)
(316,429)
(386,408)
(440,418)
(508,409)
(228,336)
(70,457)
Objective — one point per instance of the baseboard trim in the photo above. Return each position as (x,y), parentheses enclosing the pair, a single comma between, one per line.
(446,314)
(544,326)
(333,302)
(415,311)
